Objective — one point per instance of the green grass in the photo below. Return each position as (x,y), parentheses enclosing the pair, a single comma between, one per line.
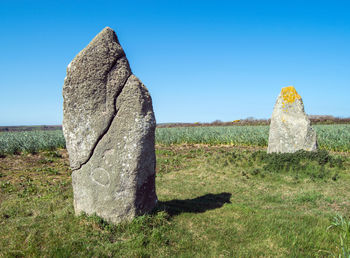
(214,201)
(330,137)
(342,225)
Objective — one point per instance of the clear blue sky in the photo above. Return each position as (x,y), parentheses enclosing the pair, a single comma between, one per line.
(201,60)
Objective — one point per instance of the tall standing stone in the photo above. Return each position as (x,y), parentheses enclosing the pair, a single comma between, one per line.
(109,126)
(290,128)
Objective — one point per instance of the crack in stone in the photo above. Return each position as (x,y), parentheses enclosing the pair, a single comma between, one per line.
(110,121)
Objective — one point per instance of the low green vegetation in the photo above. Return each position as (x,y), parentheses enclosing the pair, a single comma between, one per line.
(314,165)
(214,201)
(333,137)
(234,135)
(30,141)
(330,137)
(342,225)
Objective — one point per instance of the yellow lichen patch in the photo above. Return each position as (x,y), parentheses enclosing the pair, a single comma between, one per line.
(289,95)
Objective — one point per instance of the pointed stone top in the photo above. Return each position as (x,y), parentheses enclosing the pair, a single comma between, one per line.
(108,28)
(107,31)
(94,78)
(107,34)
(289,95)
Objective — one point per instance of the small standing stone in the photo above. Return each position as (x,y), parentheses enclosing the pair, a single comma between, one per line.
(109,128)
(290,128)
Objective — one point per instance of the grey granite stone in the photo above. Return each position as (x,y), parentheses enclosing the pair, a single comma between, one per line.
(290,128)
(109,127)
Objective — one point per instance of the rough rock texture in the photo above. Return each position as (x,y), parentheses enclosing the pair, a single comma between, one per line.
(290,128)
(109,128)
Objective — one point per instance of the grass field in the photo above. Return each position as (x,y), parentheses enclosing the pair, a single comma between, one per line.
(214,201)
(30,141)
(330,137)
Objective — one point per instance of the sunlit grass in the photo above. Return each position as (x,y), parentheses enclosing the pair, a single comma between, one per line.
(214,201)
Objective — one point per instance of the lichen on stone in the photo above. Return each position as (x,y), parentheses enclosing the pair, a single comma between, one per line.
(289,95)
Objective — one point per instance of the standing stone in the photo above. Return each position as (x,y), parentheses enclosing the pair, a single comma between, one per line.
(109,126)
(290,128)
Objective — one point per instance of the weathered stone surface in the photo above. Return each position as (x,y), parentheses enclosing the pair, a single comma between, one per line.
(109,127)
(290,128)
(94,79)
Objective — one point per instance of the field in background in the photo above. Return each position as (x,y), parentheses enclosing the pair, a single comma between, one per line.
(30,128)
(330,137)
(315,120)
(30,141)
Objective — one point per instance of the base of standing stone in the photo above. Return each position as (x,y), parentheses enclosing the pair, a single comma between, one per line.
(118,182)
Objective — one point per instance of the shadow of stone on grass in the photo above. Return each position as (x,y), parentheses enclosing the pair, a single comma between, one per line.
(196,205)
